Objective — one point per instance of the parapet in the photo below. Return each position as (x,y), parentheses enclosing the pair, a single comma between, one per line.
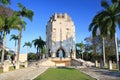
(60,16)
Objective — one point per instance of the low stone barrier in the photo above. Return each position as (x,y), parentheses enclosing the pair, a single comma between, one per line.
(96,63)
(6,65)
(110,65)
(76,63)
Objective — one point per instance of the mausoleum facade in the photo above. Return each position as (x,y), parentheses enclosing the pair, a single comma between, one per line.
(60,36)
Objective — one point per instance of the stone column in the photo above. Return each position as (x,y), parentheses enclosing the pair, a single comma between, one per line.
(96,63)
(119,65)
(101,64)
(17,65)
(110,65)
(26,64)
(43,56)
(6,65)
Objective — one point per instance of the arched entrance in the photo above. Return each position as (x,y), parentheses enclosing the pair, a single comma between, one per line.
(60,53)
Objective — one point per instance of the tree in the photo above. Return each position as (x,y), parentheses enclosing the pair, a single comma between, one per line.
(23,13)
(94,26)
(43,52)
(89,52)
(31,56)
(5,2)
(111,19)
(81,47)
(39,44)
(108,20)
(8,23)
(27,44)
(14,37)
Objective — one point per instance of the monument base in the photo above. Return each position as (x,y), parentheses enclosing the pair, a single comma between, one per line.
(61,61)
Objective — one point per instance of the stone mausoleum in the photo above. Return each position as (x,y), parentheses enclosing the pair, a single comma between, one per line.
(60,37)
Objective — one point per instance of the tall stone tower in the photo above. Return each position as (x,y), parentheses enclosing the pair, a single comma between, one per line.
(60,36)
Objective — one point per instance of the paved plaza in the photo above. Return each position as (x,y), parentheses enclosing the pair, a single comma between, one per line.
(101,74)
(33,71)
(23,74)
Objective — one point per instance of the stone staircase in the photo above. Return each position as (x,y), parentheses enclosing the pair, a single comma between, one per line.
(81,62)
(49,62)
(46,62)
(52,62)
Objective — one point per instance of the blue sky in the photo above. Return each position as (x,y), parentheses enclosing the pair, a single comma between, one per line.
(81,12)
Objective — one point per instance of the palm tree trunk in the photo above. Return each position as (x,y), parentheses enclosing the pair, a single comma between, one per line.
(15,50)
(3,48)
(27,52)
(116,51)
(103,44)
(37,54)
(19,41)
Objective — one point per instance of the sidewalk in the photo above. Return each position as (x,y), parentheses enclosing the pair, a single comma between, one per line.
(101,74)
(23,74)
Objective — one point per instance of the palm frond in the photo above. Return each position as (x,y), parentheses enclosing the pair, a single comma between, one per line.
(29,14)
(20,6)
(115,1)
(5,2)
(27,44)
(104,4)
(118,21)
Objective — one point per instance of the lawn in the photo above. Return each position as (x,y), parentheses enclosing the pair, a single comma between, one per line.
(1,70)
(63,74)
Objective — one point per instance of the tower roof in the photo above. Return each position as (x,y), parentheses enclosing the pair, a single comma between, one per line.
(56,16)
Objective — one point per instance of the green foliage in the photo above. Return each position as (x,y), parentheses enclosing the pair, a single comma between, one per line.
(93,48)
(43,50)
(12,22)
(25,12)
(39,45)
(27,44)
(80,46)
(5,2)
(14,37)
(31,56)
(63,74)
(107,19)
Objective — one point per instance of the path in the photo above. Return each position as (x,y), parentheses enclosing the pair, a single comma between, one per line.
(31,72)
(23,74)
(101,74)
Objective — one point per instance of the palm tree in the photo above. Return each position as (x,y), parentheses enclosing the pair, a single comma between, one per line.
(23,13)
(43,51)
(81,47)
(8,23)
(39,44)
(14,37)
(27,44)
(108,19)
(95,26)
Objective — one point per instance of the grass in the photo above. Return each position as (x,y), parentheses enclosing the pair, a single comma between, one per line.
(63,74)
(1,70)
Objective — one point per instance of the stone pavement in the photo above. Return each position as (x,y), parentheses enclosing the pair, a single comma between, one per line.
(101,74)
(23,74)
(33,71)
